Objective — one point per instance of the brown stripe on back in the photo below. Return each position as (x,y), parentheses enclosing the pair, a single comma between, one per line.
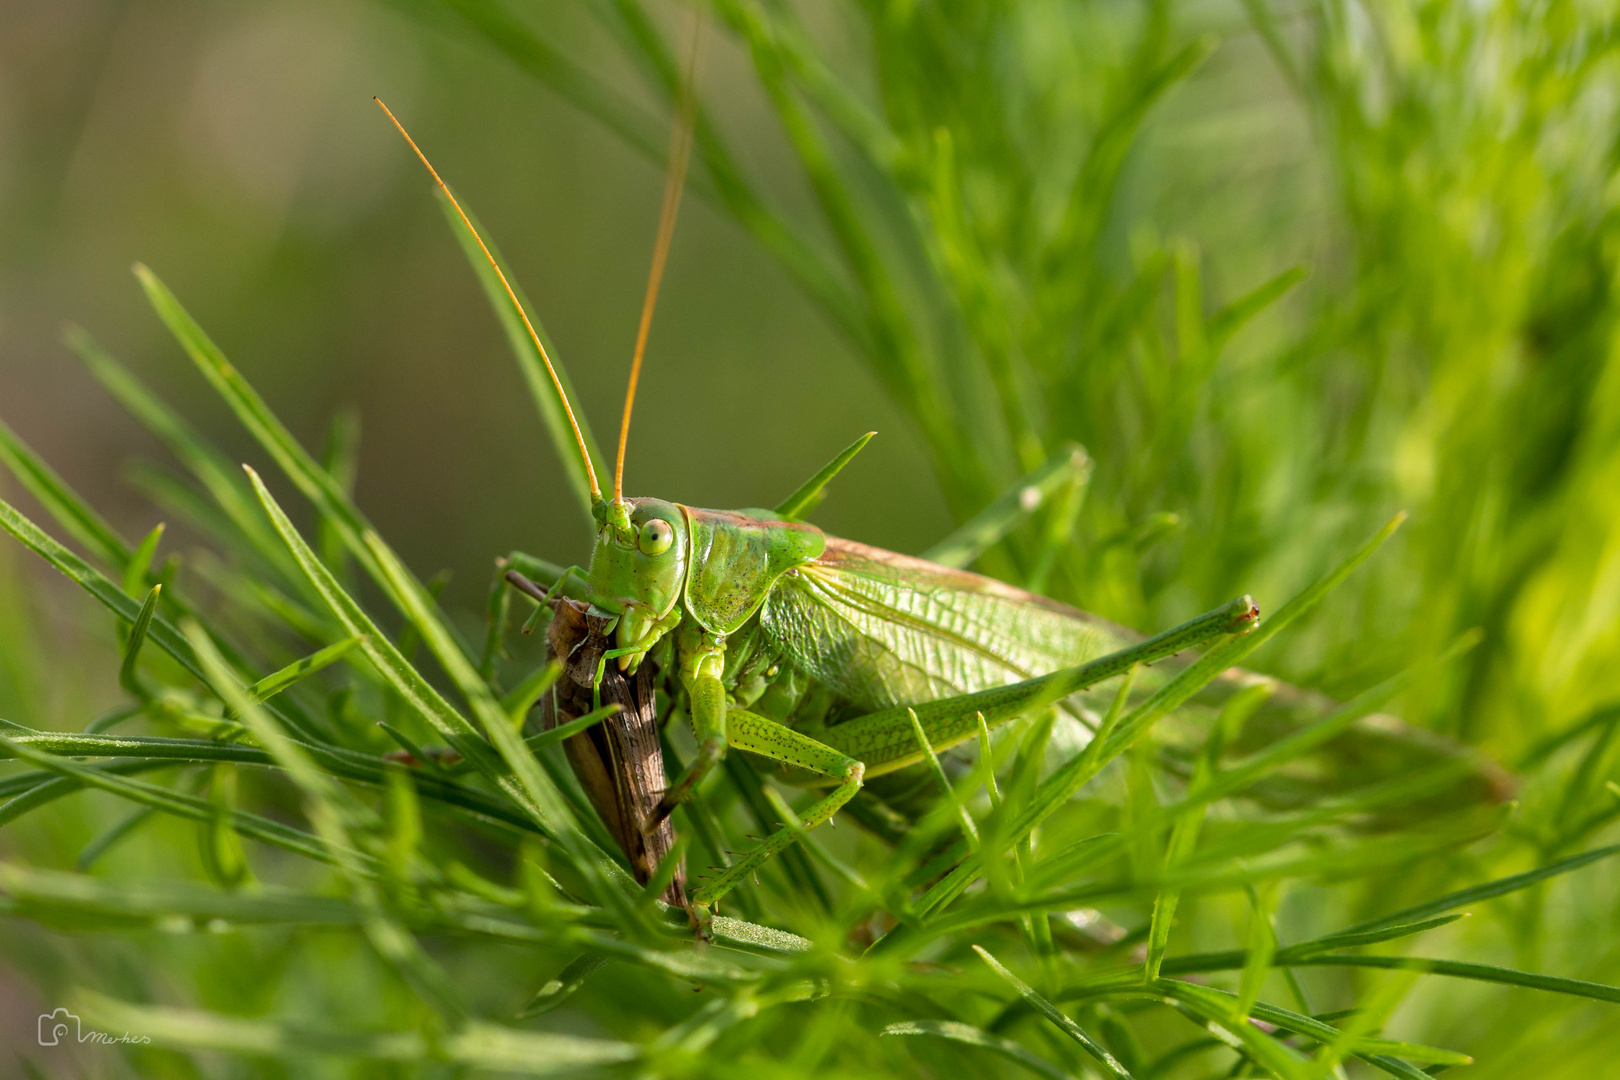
(849,554)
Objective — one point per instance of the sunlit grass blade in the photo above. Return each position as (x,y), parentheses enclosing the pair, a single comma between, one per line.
(97,585)
(477,1045)
(1349,939)
(956,718)
(1371,1013)
(180,502)
(1234,650)
(1463,969)
(341,460)
(127,677)
(539,742)
(798,505)
(172,802)
(517,702)
(564,986)
(249,407)
(1232,318)
(1231,619)
(1238,958)
(37,795)
(1228,653)
(1183,838)
(78,899)
(1244,773)
(111,838)
(1394,1066)
(326,799)
(410,684)
(974,537)
(970,829)
(348,764)
(1332,862)
(1248,771)
(1058,1018)
(419,755)
(1277,42)
(1057,539)
(1213,1008)
(1485,891)
(274,683)
(497,614)
(968,1035)
(140,561)
(89,902)
(1218,1003)
(73,513)
(1262,946)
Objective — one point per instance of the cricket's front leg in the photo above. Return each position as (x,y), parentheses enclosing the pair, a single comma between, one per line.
(754,733)
(702,659)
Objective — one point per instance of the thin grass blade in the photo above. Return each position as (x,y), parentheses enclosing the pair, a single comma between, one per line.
(61,502)
(274,683)
(564,986)
(969,1035)
(96,584)
(127,677)
(797,506)
(477,1045)
(974,537)
(1058,1018)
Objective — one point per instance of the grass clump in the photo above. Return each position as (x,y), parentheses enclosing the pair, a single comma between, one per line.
(1240,878)
(334,833)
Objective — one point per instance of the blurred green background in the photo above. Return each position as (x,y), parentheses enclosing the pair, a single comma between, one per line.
(236,150)
(1282,270)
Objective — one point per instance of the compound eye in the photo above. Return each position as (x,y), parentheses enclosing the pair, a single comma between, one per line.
(656,537)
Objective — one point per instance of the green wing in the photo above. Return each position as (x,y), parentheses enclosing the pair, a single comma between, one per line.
(882,629)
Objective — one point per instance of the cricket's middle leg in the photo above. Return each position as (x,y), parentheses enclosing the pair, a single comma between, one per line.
(710,725)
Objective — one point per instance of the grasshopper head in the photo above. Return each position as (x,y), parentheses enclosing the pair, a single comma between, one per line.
(638,569)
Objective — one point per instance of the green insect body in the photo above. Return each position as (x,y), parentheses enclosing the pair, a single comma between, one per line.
(815,652)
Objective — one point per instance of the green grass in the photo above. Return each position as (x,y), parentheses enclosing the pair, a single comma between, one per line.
(1011,221)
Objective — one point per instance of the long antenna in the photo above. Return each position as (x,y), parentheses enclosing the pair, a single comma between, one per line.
(584,454)
(680,151)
